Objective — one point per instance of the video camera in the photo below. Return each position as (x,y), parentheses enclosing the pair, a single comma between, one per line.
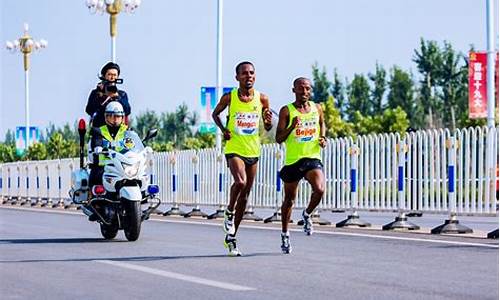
(110,86)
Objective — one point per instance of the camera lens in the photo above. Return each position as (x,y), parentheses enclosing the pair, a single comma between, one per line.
(111,88)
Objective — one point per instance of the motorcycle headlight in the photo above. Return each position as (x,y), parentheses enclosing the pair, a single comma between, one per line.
(130,170)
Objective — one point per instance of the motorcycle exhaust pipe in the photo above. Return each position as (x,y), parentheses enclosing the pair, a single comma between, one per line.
(86,211)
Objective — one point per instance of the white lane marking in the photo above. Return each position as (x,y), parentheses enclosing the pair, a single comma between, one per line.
(178,276)
(375,236)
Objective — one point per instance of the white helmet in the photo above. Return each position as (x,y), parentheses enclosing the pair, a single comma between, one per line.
(114,109)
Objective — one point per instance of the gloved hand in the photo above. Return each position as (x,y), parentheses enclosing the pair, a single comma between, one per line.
(97,150)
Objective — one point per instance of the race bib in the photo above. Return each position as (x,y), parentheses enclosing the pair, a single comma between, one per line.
(306,129)
(247,123)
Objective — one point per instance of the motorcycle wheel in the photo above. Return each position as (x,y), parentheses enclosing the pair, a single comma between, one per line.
(109,232)
(132,220)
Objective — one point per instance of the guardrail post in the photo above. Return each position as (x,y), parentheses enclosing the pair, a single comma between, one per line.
(175,210)
(48,202)
(353,219)
(219,213)
(37,184)
(452,224)
(196,211)
(14,200)
(401,222)
(9,192)
(60,202)
(26,199)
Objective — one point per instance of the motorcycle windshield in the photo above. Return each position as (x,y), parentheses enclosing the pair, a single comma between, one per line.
(132,142)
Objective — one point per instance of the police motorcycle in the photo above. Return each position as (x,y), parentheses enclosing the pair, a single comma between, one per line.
(116,203)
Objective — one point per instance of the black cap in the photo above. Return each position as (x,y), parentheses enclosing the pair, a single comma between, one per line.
(110,65)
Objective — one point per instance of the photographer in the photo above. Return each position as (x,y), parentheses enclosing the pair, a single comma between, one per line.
(106,92)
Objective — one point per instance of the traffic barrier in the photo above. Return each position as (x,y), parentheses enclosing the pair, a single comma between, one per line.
(401,222)
(196,211)
(353,219)
(175,210)
(223,194)
(425,176)
(452,225)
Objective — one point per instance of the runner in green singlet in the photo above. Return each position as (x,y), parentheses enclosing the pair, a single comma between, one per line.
(301,126)
(241,133)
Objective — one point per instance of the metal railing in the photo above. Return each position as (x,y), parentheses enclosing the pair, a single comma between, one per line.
(201,177)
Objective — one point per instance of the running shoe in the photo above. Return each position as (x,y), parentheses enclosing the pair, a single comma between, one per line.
(308,224)
(228,225)
(286,247)
(230,244)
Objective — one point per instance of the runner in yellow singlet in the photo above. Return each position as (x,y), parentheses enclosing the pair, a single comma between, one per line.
(301,126)
(246,107)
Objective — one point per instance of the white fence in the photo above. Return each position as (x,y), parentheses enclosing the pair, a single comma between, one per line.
(202,178)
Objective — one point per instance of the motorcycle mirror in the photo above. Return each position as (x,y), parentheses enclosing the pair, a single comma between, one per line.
(151,134)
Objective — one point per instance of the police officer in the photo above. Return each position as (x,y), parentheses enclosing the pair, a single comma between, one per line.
(111,136)
(106,92)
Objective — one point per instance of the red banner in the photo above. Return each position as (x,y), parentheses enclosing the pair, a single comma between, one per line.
(478,106)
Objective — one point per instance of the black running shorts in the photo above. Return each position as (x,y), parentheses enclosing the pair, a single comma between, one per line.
(296,171)
(249,161)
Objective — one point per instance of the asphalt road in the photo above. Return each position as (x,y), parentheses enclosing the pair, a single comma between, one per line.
(57,254)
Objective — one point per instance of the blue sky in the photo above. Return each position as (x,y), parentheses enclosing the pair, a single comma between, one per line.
(167,49)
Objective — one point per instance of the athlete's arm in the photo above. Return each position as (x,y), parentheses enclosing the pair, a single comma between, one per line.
(322,137)
(220,107)
(281,131)
(266,112)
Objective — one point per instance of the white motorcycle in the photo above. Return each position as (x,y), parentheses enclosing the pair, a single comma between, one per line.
(117,202)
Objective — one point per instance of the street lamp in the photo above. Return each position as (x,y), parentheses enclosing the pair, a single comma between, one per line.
(113,8)
(26,45)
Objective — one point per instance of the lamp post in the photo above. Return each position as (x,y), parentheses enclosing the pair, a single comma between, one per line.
(26,45)
(113,8)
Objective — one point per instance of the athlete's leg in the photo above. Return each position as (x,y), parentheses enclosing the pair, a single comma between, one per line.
(288,202)
(237,169)
(316,178)
(241,204)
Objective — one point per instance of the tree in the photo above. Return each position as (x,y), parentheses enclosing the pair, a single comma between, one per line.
(58,147)
(177,126)
(10,139)
(359,97)
(145,121)
(401,94)
(335,126)
(453,80)
(395,120)
(37,151)
(200,141)
(338,93)
(321,85)
(428,61)
(7,153)
(379,86)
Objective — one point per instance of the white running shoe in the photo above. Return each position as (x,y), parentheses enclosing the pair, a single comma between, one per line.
(308,224)
(230,244)
(286,247)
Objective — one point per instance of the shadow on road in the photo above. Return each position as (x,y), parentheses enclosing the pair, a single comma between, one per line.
(58,241)
(142,258)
